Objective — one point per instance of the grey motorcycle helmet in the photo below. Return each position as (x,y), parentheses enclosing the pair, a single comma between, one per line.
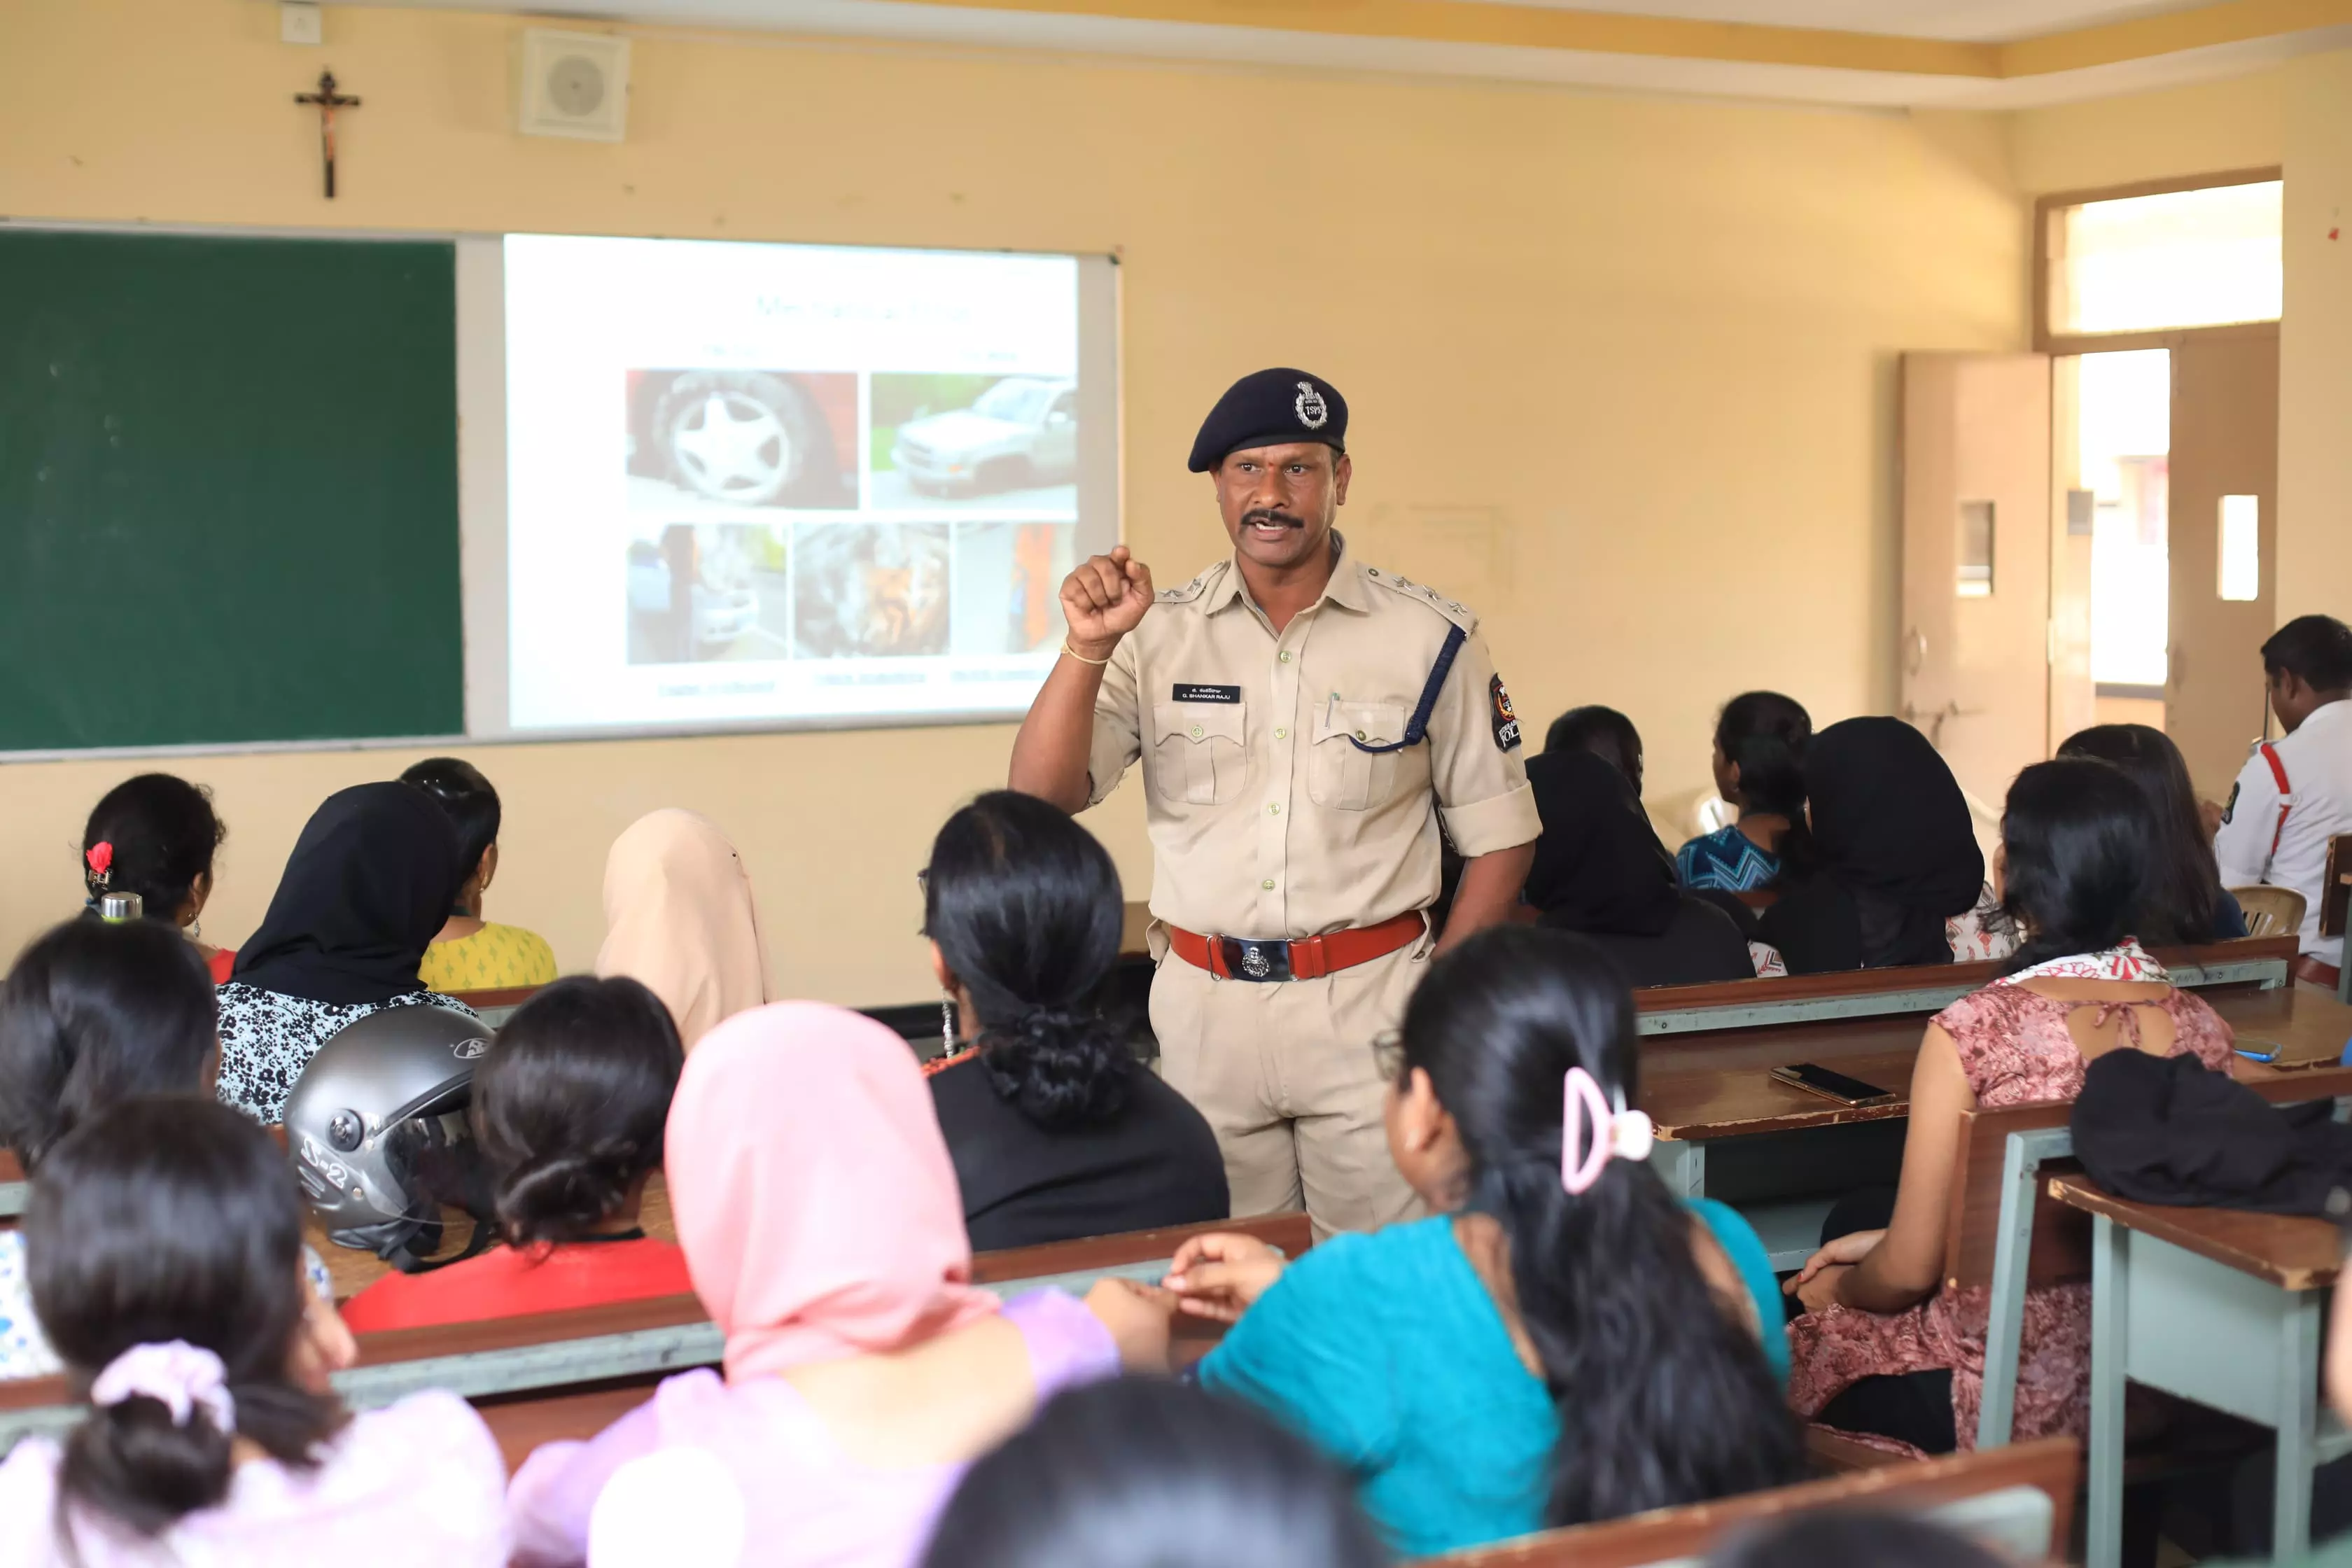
(377,1129)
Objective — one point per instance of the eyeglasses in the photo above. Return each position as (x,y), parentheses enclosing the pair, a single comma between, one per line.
(923,881)
(1388,1055)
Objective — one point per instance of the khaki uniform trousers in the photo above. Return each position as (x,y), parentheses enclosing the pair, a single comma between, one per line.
(1284,1072)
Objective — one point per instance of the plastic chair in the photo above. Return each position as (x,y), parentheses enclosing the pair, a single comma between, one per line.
(2271,911)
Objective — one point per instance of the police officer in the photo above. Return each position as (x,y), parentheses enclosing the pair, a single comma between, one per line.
(1298,712)
(2294,795)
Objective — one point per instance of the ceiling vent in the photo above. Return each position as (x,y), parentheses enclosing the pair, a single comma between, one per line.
(574,84)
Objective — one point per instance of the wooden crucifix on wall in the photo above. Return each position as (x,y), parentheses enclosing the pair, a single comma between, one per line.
(328,100)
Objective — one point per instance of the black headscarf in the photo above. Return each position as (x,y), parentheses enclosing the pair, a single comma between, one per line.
(1599,865)
(1892,854)
(368,885)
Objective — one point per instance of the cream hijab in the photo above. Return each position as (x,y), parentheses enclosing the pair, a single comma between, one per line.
(678,916)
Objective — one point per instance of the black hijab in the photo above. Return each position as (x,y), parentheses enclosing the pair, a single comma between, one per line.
(1891,853)
(368,885)
(1599,865)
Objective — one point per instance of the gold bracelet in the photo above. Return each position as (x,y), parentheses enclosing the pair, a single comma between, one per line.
(1082,658)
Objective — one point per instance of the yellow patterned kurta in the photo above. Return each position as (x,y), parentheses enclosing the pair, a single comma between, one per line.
(493,959)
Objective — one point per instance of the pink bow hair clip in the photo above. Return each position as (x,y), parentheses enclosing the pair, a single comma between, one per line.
(1617,1133)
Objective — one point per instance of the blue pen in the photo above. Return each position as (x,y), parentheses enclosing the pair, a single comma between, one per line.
(2269,1056)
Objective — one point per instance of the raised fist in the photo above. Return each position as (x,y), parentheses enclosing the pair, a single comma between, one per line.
(1104,600)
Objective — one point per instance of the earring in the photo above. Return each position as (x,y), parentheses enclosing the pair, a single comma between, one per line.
(196,930)
(947,1024)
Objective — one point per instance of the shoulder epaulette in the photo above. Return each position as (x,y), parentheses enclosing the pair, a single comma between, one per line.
(1189,590)
(1454,610)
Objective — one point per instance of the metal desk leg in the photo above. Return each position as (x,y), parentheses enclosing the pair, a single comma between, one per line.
(2110,1318)
(1682,1166)
(2298,1428)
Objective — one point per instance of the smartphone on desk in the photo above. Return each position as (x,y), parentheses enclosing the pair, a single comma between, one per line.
(1834,1085)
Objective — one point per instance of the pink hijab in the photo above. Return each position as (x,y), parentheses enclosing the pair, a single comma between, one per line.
(813,1191)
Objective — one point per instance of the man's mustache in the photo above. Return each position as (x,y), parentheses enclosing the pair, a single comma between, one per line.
(1268,514)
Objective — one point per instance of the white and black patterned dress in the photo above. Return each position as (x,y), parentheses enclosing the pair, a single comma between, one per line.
(266,1037)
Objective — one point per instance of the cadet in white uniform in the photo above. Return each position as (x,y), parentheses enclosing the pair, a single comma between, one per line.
(1296,713)
(2294,794)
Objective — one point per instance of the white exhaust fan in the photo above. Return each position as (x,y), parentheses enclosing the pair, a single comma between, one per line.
(573,84)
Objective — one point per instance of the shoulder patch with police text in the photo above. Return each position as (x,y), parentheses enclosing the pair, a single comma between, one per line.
(1504,717)
(2229,806)
(1454,610)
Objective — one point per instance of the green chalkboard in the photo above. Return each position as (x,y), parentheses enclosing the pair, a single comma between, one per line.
(228,490)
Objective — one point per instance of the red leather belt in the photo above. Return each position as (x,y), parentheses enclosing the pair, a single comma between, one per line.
(2306,967)
(1239,958)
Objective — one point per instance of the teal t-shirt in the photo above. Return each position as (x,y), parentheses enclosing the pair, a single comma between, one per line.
(1387,1353)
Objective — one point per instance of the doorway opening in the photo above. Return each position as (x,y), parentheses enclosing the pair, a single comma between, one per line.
(2123,404)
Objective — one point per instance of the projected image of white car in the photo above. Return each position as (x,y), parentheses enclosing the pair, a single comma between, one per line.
(713,591)
(978,440)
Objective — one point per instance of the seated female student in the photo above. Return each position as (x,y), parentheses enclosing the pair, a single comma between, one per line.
(679,916)
(567,1113)
(155,835)
(2187,904)
(1057,1130)
(1564,1343)
(368,884)
(165,1242)
(817,1207)
(1603,731)
(471,954)
(1881,1350)
(1890,857)
(93,1014)
(1600,869)
(1125,1474)
(1759,752)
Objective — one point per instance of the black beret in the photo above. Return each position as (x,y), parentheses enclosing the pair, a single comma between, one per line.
(1271,409)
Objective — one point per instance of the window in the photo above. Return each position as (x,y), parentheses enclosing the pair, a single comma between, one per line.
(1976,550)
(2242,547)
(2159,261)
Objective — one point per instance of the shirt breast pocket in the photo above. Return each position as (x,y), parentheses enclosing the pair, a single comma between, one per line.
(1342,774)
(1201,754)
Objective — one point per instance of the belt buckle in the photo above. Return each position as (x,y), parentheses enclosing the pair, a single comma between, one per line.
(1255,960)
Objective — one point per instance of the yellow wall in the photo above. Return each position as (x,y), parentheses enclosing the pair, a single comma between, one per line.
(1622,369)
(2315,532)
(2235,123)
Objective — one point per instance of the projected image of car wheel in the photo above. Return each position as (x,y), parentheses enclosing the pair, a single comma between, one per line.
(745,438)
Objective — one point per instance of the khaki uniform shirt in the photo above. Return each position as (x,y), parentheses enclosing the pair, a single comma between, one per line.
(1266,820)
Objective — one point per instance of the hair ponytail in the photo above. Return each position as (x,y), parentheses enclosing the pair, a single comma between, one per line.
(1663,1396)
(170,1219)
(1025,906)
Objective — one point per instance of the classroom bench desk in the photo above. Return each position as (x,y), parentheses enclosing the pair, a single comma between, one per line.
(2220,1306)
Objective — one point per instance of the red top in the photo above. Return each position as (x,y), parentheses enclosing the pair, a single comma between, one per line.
(506,1282)
(222,959)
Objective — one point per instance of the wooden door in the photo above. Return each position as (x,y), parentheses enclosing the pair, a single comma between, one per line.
(1976,562)
(2224,445)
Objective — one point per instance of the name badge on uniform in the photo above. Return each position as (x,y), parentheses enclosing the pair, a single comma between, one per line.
(1192,691)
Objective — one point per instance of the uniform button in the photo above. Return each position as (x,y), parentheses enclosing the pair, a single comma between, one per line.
(1273,810)
(1268,884)
(1360,734)
(1196,732)
(1285,656)
(1282,734)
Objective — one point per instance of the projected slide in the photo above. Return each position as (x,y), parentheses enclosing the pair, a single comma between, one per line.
(768,484)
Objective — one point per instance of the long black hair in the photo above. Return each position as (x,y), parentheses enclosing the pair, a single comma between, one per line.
(1764,735)
(1145,1473)
(160,832)
(1025,907)
(163,1219)
(1663,1397)
(568,1107)
(93,1014)
(472,805)
(2185,882)
(2075,836)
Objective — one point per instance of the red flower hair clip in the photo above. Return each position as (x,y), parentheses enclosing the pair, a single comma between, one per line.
(100,860)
